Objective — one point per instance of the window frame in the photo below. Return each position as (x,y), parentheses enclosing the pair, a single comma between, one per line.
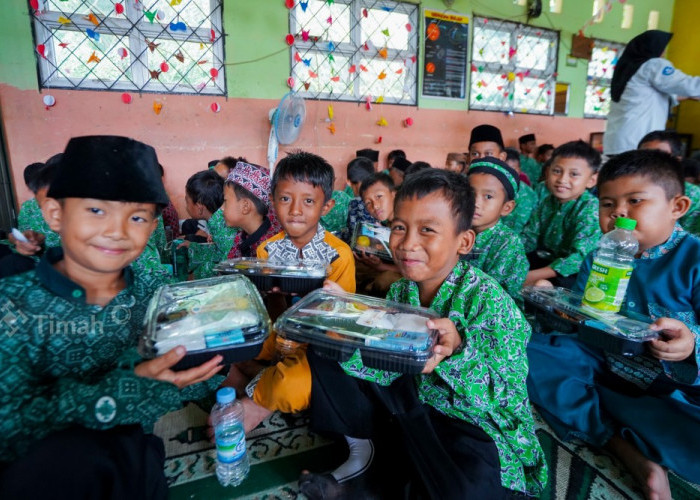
(607,82)
(495,68)
(354,53)
(50,77)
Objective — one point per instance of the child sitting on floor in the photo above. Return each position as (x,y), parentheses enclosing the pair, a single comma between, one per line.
(564,227)
(301,193)
(357,171)
(499,251)
(525,199)
(456,162)
(246,207)
(398,169)
(486,140)
(466,421)
(644,408)
(70,392)
(669,142)
(375,276)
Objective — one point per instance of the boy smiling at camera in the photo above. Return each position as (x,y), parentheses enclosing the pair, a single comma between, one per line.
(564,227)
(70,392)
(643,408)
(465,422)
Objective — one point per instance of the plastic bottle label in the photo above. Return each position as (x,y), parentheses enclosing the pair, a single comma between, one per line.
(231,448)
(606,286)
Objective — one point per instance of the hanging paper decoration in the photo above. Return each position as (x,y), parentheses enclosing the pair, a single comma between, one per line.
(49,101)
(157,107)
(290,82)
(331,127)
(203,61)
(363,68)
(181,26)
(92,18)
(155,74)
(180,57)
(331,58)
(304,5)
(215,107)
(368,103)
(330,112)
(382,122)
(126,98)
(330,2)
(329,20)
(119,8)
(511,52)
(385,32)
(150,15)
(331,46)
(307,85)
(399,71)
(380,99)
(212,35)
(479,97)
(152,45)
(383,53)
(63,20)
(34,4)
(164,67)
(63,45)
(335,78)
(93,58)
(378,140)
(173,3)
(160,15)
(511,76)
(365,13)
(122,52)
(352,69)
(289,39)
(297,57)
(409,28)
(312,74)
(307,62)
(41,49)
(92,34)
(408,122)
(289,4)
(214,73)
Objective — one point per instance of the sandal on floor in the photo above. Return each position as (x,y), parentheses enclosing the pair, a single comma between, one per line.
(322,487)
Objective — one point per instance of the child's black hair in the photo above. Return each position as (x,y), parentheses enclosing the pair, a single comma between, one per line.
(55,159)
(212,163)
(416,166)
(45,176)
(578,149)
(31,172)
(544,148)
(396,153)
(512,154)
(691,168)
(453,186)
(667,136)
(230,161)
(206,187)
(359,169)
(305,167)
(379,177)
(661,168)
(242,192)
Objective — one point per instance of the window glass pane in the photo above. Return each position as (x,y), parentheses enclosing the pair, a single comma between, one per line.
(100,8)
(194,13)
(316,19)
(322,76)
(488,90)
(187,63)
(491,46)
(603,61)
(533,53)
(81,58)
(386,29)
(531,94)
(383,79)
(597,101)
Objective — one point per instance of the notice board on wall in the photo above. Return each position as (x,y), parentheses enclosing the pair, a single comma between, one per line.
(446,47)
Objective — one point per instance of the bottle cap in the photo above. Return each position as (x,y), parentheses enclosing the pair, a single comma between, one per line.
(625,223)
(225,395)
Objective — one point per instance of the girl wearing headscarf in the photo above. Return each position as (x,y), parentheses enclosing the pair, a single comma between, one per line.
(644,85)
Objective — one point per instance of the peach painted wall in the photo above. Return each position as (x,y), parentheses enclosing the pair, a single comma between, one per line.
(187,134)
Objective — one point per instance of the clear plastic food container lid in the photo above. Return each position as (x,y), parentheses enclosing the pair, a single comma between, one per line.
(568,305)
(264,267)
(357,321)
(204,315)
(373,239)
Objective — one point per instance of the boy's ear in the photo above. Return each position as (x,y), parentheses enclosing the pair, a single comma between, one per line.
(507,208)
(679,206)
(327,207)
(502,156)
(246,206)
(52,211)
(466,241)
(592,181)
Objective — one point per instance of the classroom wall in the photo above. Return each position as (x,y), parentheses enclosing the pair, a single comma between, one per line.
(187,134)
(684,51)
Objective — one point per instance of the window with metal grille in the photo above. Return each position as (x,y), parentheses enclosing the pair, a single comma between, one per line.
(513,67)
(354,50)
(172,46)
(600,71)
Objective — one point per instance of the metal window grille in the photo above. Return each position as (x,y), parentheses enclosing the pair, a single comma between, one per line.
(167,46)
(513,67)
(355,50)
(599,78)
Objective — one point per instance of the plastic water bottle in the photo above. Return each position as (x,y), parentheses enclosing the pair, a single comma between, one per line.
(612,267)
(232,465)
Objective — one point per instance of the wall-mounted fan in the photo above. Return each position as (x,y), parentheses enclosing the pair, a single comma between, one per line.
(286,121)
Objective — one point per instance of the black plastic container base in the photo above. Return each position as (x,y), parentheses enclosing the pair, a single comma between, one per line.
(609,343)
(231,354)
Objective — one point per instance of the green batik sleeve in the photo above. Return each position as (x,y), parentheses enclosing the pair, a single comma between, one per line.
(493,360)
(582,242)
(531,233)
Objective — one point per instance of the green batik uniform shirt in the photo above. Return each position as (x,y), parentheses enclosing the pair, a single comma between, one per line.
(65,362)
(150,259)
(204,256)
(525,203)
(337,219)
(30,217)
(501,255)
(691,220)
(484,382)
(570,231)
(531,167)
